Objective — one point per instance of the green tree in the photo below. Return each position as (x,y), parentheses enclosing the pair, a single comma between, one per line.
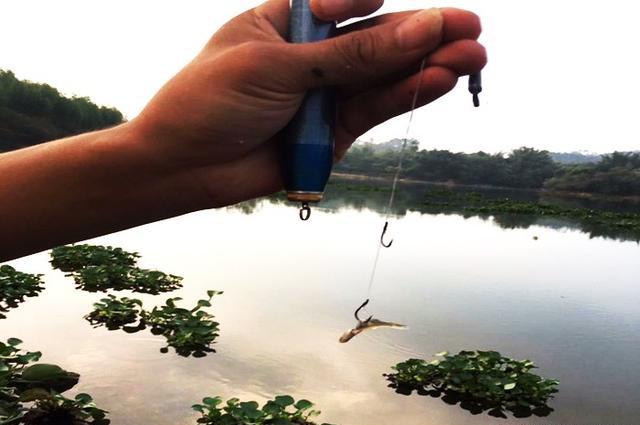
(530,168)
(32,113)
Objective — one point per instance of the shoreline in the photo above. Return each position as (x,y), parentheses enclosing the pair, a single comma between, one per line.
(579,195)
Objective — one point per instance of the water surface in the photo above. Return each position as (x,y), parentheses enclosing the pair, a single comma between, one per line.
(568,301)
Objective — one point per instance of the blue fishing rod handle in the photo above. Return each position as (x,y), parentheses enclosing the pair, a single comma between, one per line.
(309,146)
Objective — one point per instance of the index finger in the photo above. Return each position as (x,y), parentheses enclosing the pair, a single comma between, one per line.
(341,10)
(458,24)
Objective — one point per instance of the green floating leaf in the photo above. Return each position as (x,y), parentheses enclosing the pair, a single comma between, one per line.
(303,405)
(14,342)
(212,401)
(84,398)
(284,400)
(42,372)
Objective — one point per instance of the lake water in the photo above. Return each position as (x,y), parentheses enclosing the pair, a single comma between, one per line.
(569,301)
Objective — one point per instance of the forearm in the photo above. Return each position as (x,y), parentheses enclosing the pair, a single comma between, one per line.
(76,188)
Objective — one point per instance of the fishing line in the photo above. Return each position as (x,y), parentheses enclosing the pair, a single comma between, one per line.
(396,179)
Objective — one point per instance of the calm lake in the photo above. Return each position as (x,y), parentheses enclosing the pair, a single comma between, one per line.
(569,301)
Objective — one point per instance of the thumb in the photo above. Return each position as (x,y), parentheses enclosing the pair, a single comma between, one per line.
(369,53)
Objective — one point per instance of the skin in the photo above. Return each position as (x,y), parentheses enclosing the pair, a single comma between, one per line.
(209,138)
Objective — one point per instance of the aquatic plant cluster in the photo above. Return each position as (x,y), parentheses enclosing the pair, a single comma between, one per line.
(97,268)
(188,331)
(15,286)
(480,380)
(282,410)
(31,394)
(476,203)
(115,313)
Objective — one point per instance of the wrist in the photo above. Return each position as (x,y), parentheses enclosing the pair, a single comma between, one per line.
(137,168)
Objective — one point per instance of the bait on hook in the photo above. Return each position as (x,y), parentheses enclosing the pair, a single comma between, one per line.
(368,324)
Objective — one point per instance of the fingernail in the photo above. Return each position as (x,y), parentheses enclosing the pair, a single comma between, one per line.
(334,8)
(423,29)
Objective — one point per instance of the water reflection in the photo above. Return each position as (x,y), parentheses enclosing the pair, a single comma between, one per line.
(374,195)
(472,405)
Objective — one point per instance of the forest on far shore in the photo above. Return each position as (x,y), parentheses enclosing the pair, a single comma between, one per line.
(617,173)
(32,113)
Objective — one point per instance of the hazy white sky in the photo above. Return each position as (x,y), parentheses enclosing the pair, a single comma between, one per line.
(563,75)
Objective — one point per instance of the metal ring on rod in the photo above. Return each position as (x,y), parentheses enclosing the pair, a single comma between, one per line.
(305,212)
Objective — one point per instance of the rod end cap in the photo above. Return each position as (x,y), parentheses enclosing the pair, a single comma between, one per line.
(305,196)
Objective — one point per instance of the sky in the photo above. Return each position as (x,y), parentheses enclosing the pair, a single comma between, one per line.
(562,75)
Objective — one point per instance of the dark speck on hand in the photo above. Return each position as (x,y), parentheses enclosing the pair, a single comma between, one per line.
(317,72)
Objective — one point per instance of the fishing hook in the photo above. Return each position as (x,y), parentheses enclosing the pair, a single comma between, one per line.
(305,212)
(358,312)
(384,232)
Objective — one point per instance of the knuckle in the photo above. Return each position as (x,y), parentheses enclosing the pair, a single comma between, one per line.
(359,51)
(482,58)
(255,50)
(476,24)
(248,57)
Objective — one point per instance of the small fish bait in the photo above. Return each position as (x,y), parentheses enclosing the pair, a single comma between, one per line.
(368,324)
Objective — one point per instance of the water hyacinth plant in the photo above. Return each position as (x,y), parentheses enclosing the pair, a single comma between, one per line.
(189,332)
(96,268)
(72,258)
(480,381)
(115,313)
(282,410)
(15,286)
(12,361)
(125,278)
(30,394)
(55,409)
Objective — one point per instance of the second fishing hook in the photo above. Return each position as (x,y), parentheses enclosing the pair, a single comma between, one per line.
(384,232)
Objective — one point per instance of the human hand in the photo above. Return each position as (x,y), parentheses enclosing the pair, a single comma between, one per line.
(218,121)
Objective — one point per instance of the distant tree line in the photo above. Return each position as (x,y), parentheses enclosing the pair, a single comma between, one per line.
(32,113)
(526,168)
(616,174)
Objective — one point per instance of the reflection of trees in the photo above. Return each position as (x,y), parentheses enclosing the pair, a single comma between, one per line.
(373,195)
(512,221)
